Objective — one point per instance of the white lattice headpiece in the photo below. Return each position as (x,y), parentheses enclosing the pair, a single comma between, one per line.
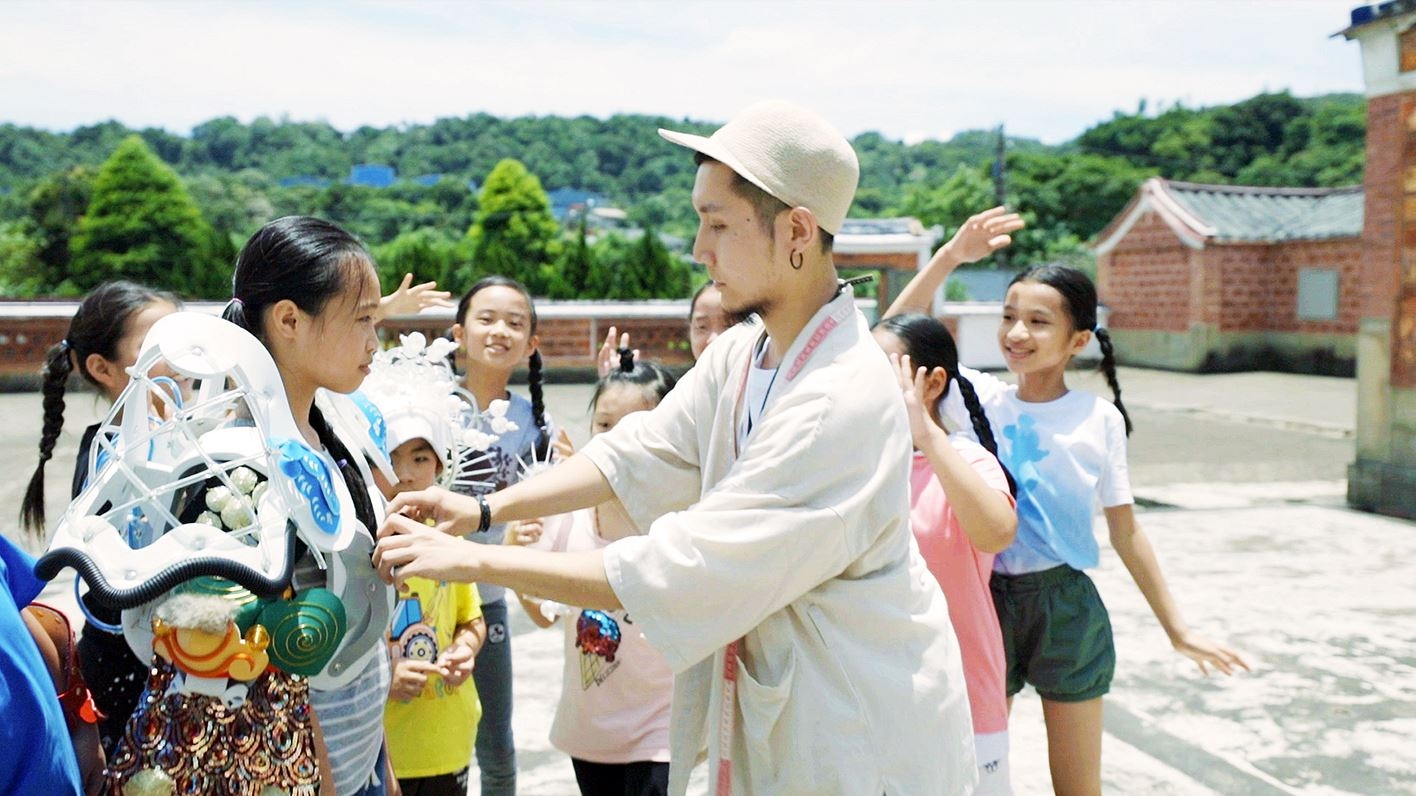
(415,389)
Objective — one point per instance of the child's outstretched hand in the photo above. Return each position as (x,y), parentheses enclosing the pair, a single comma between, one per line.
(982,235)
(455,664)
(562,446)
(1206,653)
(608,358)
(409,678)
(409,298)
(912,385)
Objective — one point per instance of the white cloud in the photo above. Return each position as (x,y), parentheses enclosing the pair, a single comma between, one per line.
(1045,69)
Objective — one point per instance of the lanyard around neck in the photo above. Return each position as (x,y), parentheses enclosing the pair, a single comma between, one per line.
(823,330)
(727,702)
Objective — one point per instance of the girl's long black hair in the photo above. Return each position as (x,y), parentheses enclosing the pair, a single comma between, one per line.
(97,327)
(308,261)
(928,342)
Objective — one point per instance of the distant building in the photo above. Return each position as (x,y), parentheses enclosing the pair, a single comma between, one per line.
(373,175)
(1224,277)
(895,248)
(303,181)
(568,201)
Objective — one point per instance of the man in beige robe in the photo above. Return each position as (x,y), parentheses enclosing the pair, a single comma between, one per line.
(812,650)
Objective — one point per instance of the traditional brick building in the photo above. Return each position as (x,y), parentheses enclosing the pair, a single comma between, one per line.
(1383,478)
(1222,277)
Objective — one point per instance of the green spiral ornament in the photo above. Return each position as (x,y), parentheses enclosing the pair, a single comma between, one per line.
(304,631)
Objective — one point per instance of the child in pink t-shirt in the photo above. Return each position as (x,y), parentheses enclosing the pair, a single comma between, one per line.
(613,717)
(962,513)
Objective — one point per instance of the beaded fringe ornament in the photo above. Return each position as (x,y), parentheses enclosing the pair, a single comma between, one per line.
(193,743)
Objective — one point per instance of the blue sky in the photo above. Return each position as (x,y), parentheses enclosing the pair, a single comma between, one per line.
(909,69)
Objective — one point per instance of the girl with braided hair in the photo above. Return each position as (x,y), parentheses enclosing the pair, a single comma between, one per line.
(1067,450)
(102,342)
(496,328)
(961,513)
(613,714)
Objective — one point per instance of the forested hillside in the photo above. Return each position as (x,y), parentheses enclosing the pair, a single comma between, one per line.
(62,195)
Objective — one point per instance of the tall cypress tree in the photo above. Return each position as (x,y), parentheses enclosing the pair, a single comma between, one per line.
(142,225)
(576,265)
(515,234)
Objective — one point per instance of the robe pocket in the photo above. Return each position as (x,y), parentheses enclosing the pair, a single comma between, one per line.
(761,730)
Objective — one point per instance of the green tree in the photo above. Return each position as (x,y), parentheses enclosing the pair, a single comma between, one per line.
(576,265)
(1079,193)
(142,225)
(19,262)
(54,207)
(427,253)
(238,202)
(964,192)
(515,234)
(640,268)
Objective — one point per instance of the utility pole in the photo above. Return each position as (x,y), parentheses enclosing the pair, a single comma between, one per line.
(1000,185)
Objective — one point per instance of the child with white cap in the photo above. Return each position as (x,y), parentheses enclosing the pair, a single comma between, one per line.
(432,713)
(811,649)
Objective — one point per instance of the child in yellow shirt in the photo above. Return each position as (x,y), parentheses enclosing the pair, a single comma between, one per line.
(433,709)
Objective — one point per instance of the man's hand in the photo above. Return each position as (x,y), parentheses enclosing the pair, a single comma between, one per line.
(450,512)
(408,548)
(523,533)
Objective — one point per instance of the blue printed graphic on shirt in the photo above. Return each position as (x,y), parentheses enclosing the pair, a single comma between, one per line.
(1054,524)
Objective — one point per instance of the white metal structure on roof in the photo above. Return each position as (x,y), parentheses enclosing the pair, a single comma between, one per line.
(887,236)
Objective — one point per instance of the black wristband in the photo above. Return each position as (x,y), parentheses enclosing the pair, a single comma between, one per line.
(486,522)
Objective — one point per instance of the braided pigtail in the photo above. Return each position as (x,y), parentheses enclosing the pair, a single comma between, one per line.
(1108,368)
(58,364)
(979,419)
(542,446)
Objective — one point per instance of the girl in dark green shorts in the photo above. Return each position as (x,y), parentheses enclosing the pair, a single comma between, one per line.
(1067,450)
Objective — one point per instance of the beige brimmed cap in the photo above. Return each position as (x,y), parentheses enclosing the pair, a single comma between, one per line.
(789,152)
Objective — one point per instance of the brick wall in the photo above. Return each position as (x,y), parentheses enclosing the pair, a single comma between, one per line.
(1384,186)
(1345,256)
(1249,288)
(573,342)
(1146,280)
(569,340)
(1403,344)
(1153,282)
(24,342)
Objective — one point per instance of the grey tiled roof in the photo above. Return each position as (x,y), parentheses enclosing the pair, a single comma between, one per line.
(881,226)
(1241,214)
